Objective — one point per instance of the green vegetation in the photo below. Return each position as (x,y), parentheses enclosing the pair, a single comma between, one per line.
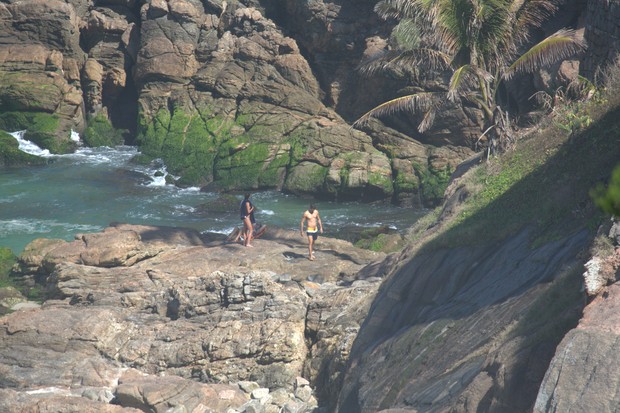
(375,240)
(433,184)
(10,155)
(608,198)
(202,147)
(184,141)
(7,260)
(41,128)
(100,132)
(476,44)
(405,182)
(307,177)
(533,186)
(555,311)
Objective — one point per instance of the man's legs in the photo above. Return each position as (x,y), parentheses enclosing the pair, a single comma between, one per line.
(310,246)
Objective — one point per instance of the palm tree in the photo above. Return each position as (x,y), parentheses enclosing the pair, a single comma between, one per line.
(477,43)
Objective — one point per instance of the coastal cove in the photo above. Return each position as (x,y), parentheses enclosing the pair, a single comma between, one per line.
(85,191)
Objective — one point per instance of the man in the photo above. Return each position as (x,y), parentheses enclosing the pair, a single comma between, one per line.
(314,225)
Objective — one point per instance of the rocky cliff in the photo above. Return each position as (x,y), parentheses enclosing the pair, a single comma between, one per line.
(470,320)
(231,94)
(486,310)
(216,89)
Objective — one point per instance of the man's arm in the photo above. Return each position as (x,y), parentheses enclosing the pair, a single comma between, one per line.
(318,217)
(301,224)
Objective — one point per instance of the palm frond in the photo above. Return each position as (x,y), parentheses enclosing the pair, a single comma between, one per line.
(418,102)
(458,82)
(427,121)
(532,13)
(425,58)
(467,78)
(399,9)
(378,62)
(407,35)
(558,46)
(411,60)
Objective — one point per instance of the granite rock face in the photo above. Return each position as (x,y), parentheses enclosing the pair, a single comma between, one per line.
(230,95)
(157,318)
(40,63)
(583,374)
(460,329)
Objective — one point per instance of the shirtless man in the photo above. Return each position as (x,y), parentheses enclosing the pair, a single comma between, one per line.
(313,218)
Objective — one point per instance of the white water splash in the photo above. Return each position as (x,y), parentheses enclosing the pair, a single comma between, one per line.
(116,156)
(28,226)
(158,178)
(75,137)
(29,147)
(158,175)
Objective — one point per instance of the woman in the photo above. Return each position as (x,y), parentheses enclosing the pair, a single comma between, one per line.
(246,211)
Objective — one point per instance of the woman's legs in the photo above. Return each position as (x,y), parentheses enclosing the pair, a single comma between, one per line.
(247,227)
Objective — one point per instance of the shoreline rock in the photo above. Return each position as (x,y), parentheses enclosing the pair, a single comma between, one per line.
(146,317)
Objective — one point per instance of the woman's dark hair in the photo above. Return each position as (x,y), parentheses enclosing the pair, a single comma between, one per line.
(247,195)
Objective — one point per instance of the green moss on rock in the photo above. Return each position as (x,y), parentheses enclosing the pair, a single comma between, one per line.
(7,260)
(41,128)
(306,177)
(184,141)
(239,164)
(200,148)
(433,184)
(404,182)
(100,132)
(10,155)
(382,182)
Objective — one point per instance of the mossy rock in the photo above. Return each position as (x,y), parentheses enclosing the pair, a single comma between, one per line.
(382,185)
(142,159)
(7,260)
(433,184)
(185,143)
(404,182)
(41,128)
(29,91)
(306,177)
(381,239)
(11,156)
(100,132)
(223,204)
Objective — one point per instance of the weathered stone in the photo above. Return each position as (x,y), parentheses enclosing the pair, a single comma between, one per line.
(583,373)
(185,312)
(404,328)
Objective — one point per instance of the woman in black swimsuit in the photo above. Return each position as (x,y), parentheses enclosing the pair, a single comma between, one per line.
(246,212)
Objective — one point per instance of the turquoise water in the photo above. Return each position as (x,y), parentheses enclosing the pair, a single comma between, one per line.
(88,190)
